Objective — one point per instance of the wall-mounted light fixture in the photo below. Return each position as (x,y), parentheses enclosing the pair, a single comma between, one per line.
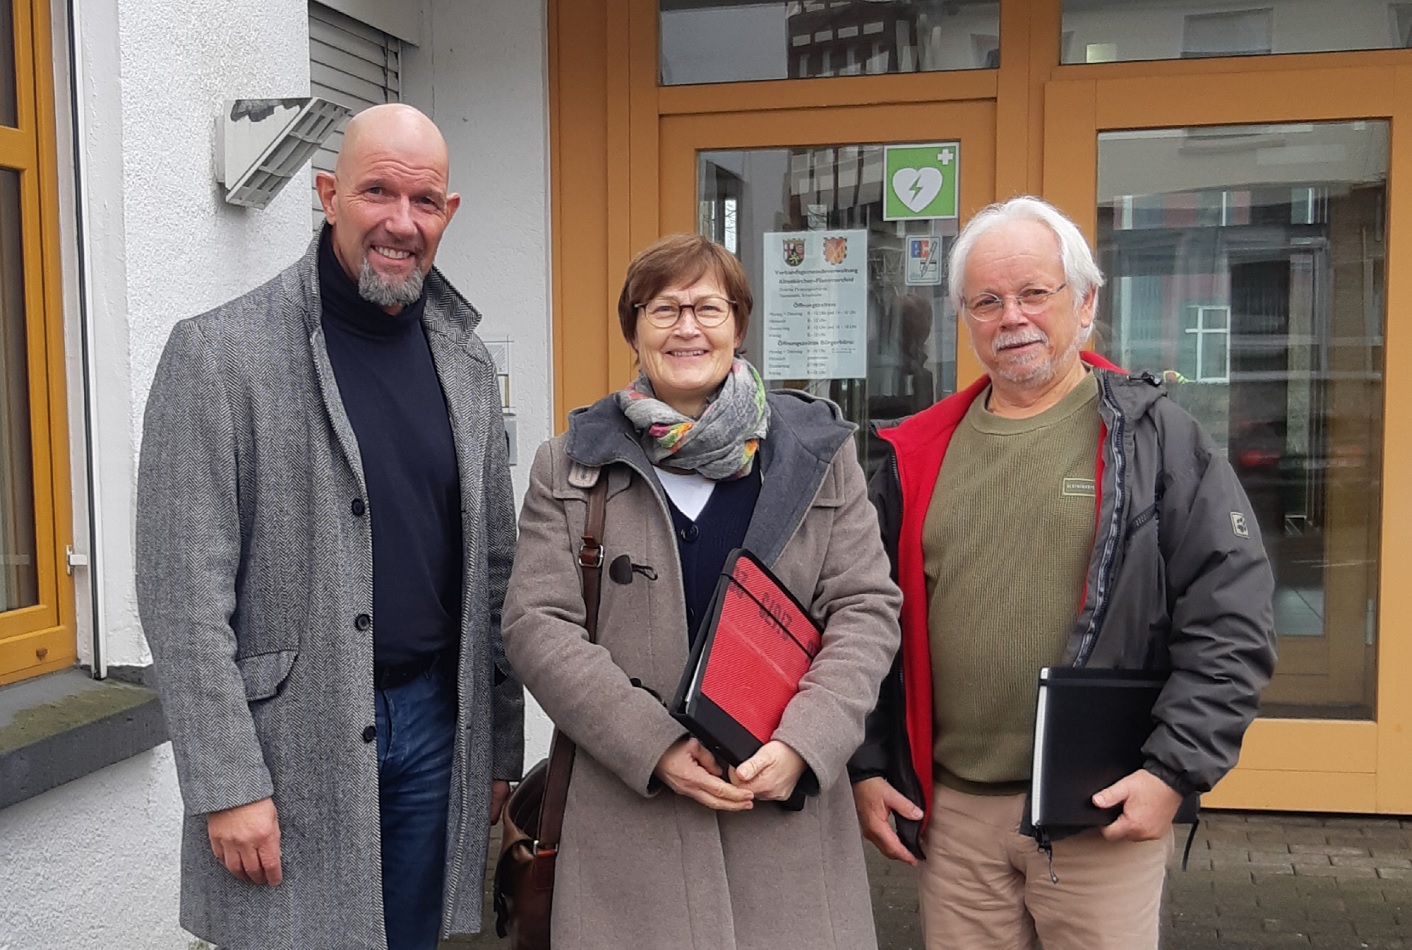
(262,143)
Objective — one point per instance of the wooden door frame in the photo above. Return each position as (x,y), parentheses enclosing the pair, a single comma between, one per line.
(607,114)
(611,127)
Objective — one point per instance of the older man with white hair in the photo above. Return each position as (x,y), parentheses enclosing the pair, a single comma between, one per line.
(1081,518)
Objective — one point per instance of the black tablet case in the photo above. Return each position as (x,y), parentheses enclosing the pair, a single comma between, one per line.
(1090,726)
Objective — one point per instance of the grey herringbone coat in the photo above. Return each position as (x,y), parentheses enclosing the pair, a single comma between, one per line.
(646,869)
(253,567)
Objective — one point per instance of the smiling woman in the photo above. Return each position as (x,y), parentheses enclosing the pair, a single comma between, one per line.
(700,460)
(684,311)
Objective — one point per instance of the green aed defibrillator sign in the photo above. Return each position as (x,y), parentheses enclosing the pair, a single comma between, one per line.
(919,181)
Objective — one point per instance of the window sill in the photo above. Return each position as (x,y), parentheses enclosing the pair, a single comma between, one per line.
(66,725)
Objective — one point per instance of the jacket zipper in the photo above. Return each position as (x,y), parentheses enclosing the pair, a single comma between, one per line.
(896,472)
(1144,518)
(1107,568)
(1108,560)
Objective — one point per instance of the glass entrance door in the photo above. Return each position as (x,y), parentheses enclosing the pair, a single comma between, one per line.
(844,242)
(1247,265)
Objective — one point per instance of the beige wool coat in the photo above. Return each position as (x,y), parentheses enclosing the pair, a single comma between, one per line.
(642,867)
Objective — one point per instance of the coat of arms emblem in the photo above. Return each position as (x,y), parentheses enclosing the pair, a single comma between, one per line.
(794,251)
(835,249)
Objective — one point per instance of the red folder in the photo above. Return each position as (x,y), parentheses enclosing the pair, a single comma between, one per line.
(756,645)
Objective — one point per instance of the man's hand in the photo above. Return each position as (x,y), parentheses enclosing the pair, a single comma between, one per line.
(246,840)
(499,791)
(1149,804)
(772,772)
(689,769)
(875,800)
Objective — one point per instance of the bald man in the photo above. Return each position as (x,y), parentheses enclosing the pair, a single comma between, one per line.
(324,532)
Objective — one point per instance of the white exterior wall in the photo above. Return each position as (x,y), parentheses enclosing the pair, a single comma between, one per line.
(482,75)
(93,864)
(162,244)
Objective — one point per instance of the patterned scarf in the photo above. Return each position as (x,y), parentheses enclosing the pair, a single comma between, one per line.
(721,445)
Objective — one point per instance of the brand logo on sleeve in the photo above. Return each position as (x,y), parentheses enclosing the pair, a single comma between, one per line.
(1238,525)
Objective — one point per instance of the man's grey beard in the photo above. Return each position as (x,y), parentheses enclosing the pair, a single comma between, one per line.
(1035,374)
(1041,373)
(377,289)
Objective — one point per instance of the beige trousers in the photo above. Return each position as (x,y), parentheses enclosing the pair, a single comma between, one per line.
(984,886)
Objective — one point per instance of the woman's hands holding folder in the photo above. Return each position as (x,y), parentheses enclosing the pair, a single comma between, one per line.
(689,769)
(772,772)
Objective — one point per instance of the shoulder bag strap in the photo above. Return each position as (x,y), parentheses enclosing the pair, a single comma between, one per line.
(561,754)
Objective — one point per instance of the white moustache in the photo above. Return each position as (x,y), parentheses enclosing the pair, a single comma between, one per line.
(1004,341)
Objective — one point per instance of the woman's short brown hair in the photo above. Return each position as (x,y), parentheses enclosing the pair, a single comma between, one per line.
(680,260)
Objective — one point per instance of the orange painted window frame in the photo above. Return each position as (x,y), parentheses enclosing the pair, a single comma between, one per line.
(41,638)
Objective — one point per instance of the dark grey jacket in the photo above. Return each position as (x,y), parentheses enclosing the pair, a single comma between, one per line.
(255,585)
(1178,580)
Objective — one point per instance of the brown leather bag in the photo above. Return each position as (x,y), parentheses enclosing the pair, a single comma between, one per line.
(533,816)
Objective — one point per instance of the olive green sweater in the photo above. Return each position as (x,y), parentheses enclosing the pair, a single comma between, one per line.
(1006,543)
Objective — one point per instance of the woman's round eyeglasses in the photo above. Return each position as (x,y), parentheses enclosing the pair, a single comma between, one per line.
(1031,301)
(664,312)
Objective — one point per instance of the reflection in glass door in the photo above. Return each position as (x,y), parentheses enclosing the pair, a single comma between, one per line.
(19,568)
(707,41)
(1246,265)
(816,215)
(8,113)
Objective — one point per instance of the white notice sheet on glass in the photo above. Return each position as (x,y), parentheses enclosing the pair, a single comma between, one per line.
(816,305)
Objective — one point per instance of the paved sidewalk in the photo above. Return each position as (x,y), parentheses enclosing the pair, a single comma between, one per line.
(1273,880)
(1254,880)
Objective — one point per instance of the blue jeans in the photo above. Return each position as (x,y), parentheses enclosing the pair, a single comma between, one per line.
(416,725)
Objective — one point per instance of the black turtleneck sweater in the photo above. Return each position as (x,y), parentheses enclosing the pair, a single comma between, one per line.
(390,390)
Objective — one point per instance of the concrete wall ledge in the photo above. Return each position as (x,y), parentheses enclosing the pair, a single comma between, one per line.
(63,726)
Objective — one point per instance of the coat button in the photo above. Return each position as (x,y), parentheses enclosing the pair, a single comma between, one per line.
(370,733)
(362,621)
(359,507)
(690,532)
